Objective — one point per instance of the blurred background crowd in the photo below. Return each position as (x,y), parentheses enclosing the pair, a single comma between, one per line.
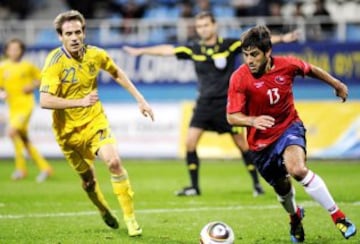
(138,21)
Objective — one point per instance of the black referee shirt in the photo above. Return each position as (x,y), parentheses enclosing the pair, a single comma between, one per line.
(213,65)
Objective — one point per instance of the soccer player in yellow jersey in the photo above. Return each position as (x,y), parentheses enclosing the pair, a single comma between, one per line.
(18,80)
(69,87)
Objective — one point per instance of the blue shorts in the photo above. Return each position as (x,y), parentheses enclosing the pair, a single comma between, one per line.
(270,162)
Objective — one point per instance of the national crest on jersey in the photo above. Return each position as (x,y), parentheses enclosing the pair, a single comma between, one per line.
(279,79)
(91,66)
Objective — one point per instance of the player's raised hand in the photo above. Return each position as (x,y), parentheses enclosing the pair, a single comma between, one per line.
(133,51)
(341,91)
(90,99)
(146,110)
(263,122)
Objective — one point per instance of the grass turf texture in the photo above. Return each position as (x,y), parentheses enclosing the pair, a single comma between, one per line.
(58,211)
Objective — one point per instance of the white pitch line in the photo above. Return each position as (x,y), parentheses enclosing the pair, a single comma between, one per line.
(163,210)
(46,215)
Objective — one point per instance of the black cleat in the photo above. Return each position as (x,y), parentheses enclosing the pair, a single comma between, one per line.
(346,227)
(297,233)
(110,220)
(258,190)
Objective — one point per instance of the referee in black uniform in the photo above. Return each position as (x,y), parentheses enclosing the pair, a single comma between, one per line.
(215,59)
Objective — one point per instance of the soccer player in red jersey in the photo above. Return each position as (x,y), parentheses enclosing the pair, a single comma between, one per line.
(214,60)
(260,98)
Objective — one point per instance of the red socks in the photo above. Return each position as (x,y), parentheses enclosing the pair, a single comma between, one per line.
(337,215)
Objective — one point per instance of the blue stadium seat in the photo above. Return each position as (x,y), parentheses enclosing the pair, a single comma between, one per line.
(223,11)
(235,33)
(160,12)
(47,37)
(93,36)
(353,32)
(158,35)
(115,16)
(167,2)
(217,2)
(174,12)
(125,1)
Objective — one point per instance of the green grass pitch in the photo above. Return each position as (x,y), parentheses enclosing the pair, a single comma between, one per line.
(58,211)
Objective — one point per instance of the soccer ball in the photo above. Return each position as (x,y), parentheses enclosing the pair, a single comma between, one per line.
(217,232)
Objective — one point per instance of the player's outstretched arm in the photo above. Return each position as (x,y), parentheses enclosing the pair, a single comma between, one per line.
(121,78)
(341,89)
(286,38)
(50,101)
(261,122)
(159,50)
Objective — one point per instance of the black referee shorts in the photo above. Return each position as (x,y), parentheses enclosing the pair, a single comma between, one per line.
(210,115)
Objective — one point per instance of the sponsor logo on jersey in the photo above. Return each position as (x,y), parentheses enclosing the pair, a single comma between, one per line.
(259,84)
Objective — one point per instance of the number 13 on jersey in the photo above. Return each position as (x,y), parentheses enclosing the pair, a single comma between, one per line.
(273,95)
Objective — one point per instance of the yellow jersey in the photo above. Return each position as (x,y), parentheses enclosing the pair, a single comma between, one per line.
(14,77)
(69,78)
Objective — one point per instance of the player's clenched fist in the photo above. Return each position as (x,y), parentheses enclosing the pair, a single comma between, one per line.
(263,122)
(146,110)
(341,91)
(90,99)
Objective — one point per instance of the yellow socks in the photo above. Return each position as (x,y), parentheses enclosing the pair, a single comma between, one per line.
(122,189)
(20,163)
(124,193)
(38,159)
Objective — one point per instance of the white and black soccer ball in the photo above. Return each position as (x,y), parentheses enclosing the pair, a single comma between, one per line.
(217,232)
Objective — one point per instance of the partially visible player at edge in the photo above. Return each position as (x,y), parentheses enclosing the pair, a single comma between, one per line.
(260,97)
(18,81)
(69,87)
(215,59)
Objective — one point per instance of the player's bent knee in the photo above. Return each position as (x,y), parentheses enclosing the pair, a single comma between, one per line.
(13,133)
(114,165)
(298,173)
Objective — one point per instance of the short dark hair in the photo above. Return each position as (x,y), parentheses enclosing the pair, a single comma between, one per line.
(15,40)
(258,36)
(206,14)
(67,16)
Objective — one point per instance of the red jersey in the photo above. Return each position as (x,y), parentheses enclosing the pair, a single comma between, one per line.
(271,94)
